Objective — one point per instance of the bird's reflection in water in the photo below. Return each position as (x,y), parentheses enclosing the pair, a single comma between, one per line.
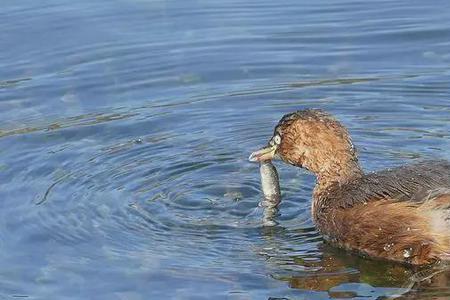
(341,274)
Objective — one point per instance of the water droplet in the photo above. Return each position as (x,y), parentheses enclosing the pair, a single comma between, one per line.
(407,252)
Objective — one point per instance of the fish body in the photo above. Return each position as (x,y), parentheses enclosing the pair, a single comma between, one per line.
(271,189)
(269,180)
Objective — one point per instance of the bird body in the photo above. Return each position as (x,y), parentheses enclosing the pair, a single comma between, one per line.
(400,214)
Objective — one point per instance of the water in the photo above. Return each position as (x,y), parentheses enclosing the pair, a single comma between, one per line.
(125,128)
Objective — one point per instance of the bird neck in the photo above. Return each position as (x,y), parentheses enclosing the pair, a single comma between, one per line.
(336,173)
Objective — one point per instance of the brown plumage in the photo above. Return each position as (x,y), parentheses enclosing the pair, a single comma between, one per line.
(400,214)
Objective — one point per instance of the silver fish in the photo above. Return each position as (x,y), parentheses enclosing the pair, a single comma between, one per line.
(271,190)
(269,180)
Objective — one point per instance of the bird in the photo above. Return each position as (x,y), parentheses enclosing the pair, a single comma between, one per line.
(400,214)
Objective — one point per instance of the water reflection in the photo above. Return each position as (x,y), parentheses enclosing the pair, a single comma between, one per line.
(345,275)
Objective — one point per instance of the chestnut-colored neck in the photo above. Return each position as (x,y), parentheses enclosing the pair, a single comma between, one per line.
(340,174)
(336,172)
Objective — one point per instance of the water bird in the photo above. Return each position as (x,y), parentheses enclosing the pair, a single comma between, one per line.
(400,214)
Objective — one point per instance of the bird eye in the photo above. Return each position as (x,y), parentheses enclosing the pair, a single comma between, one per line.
(277,139)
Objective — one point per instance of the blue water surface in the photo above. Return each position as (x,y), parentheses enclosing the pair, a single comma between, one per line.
(125,127)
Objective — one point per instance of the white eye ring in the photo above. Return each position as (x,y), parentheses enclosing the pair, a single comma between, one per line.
(277,139)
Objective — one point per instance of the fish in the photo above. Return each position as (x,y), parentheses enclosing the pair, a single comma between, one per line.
(270,185)
(269,181)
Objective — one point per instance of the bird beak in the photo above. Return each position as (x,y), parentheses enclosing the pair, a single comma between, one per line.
(266,153)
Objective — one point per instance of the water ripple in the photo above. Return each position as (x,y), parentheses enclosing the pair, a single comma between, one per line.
(125,130)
